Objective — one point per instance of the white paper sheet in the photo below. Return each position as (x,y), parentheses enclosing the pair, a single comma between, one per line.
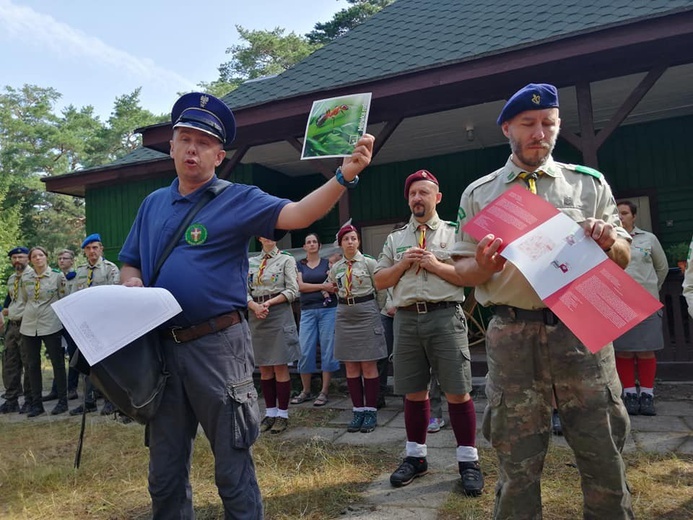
(104,319)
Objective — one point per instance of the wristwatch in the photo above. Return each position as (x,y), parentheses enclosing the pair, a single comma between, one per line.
(341,180)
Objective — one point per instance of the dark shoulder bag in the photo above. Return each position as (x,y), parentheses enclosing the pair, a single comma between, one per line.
(133,378)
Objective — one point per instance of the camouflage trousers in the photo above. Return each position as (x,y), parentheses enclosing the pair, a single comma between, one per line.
(528,362)
(13,363)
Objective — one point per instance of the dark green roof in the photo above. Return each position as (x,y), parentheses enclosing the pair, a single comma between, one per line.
(411,35)
(140,155)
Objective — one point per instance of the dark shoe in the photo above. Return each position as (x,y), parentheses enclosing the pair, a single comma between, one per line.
(72,394)
(123,419)
(35,411)
(267,423)
(556,426)
(370,421)
(108,408)
(410,468)
(381,401)
(647,406)
(91,407)
(25,407)
(356,422)
(49,397)
(59,408)
(472,478)
(632,403)
(9,407)
(280,425)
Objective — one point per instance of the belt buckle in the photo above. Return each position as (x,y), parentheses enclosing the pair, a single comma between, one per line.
(173,334)
(263,298)
(550,317)
(421,307)
(351,300)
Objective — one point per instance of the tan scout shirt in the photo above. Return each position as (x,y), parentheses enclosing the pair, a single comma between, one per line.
(648,264)
(279,276)
(688,281)
(423,286)
(362,270)
(105,273)
(579,195)
(38,292)
(15,309)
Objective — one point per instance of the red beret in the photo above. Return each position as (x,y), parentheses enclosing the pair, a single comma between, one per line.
(343,231)
(421,175)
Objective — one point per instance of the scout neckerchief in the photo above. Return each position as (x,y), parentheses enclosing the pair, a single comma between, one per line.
(531,179)
(90,275)
(37,286)
(422,240)
(347,279)
(263,266)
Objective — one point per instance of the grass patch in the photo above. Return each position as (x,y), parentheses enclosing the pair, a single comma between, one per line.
(309,480)
(662,487)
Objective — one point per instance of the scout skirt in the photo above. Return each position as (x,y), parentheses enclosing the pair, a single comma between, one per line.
(275,339)
(646,336)
(359,333)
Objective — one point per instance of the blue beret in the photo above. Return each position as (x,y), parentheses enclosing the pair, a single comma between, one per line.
(206,113)
(94,237)
(21,250)
(535,96)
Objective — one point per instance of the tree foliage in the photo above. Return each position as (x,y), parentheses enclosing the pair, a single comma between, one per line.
(345,20)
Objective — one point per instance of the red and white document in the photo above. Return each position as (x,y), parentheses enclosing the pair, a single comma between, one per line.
(592,295)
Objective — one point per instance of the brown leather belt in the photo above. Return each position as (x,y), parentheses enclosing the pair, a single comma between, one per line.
(264,297)
(424,307)
(351,300)
(180,335)
(544,315)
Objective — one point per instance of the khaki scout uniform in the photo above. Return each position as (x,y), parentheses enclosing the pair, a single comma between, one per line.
(359,334)
(275,339)
(41,324)
(531,355)
(688,281)
(104,272)
(430,330)
(14,362)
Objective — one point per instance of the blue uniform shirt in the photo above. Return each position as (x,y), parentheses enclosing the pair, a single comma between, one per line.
(207,271)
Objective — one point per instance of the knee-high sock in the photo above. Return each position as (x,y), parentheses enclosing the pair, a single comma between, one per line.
(269,391)
(355,391)
(283,394)
(626,371)
(372,389)
(463,421)
(416,417)
(647,368)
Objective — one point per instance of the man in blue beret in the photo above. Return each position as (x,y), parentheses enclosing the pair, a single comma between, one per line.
(95,272)
(13,362)
(207,347)
(531,354)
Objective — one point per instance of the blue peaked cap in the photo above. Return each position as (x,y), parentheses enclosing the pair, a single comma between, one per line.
(205,113)
(20,250)
(535,96)
(94,237)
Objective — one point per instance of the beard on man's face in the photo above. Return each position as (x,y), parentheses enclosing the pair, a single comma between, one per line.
(533,158)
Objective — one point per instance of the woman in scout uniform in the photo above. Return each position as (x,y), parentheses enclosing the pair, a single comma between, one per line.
(359,333)
(39,288)
(272,286)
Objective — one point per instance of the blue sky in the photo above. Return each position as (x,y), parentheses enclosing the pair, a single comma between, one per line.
(92,51)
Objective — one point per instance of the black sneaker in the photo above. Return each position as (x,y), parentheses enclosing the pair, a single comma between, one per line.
(91,407)
(35,411)
(632,403)
(356,422)
(59,408)
(370,421)
(72,394)
(410,468)
(556,426)
(647,406)
(472,478)
(25,407)
(9,407)
(49,397)
(266,424)
(108,408)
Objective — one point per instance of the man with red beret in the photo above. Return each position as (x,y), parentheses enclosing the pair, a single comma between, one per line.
(430,331)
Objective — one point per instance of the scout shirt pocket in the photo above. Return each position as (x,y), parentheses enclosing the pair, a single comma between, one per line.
(245,417)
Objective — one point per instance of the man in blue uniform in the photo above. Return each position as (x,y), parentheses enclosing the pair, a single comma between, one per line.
(208,350)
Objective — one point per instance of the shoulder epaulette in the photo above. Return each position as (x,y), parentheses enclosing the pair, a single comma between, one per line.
(55,270)
(368,256)
(455,225)
(584,169)
(287,253)
(483,180)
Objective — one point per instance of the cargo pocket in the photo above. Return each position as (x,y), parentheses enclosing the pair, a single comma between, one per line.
(291,336)
(494,397)
(245,414)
